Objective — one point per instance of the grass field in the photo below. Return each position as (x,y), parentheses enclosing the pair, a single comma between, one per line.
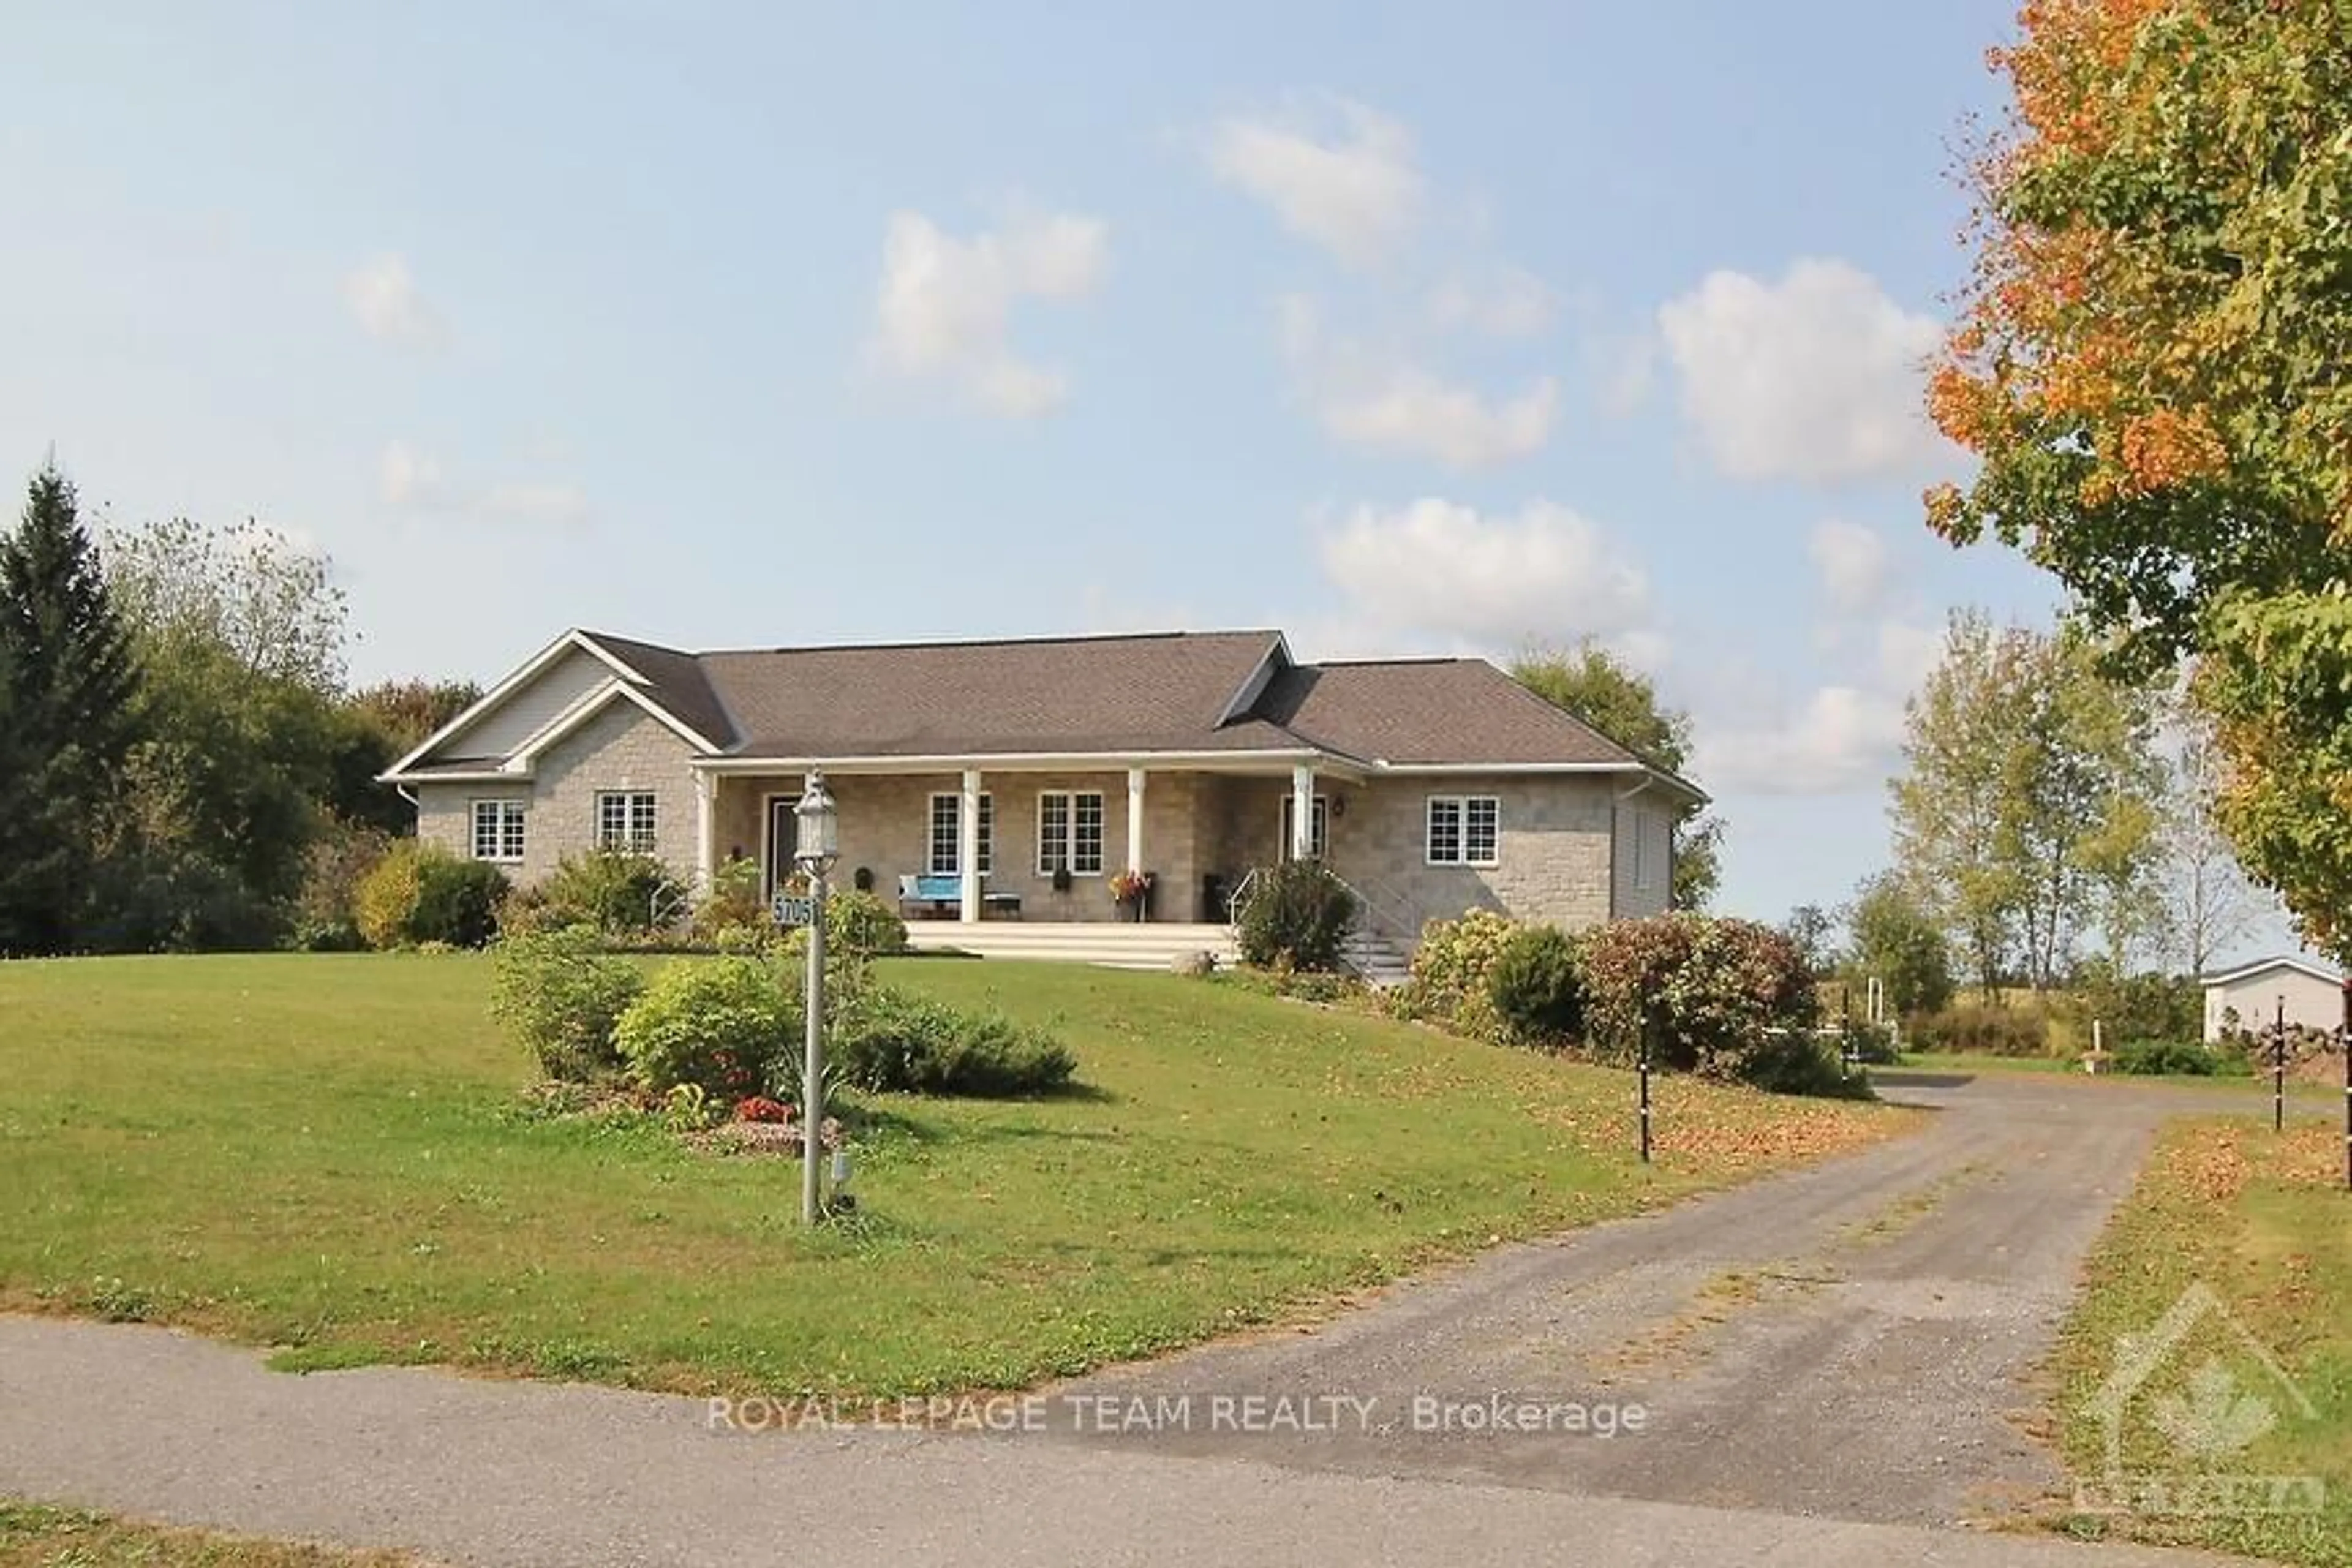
(323,1153)
(32,1536)
(2264,1221)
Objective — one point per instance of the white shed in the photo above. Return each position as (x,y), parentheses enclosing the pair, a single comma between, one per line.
(2314,994)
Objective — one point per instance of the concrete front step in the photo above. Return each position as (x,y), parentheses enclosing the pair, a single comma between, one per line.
(1148,945)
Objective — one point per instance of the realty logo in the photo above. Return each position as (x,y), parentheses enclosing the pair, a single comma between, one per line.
(2210,1401)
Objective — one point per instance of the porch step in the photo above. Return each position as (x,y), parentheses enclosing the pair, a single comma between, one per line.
(1149,945)
(1375,960)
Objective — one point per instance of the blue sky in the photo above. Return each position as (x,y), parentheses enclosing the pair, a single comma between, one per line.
(1405,328)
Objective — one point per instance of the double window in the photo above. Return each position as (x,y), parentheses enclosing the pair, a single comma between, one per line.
(1070,833)
(1464,830)
(498,829)
(625,821)
(946,858)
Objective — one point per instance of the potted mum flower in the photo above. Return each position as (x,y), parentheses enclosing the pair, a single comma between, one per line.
(1133,890)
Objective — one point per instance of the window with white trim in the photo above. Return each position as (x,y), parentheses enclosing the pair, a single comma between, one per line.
(946,857)
(498,829)
(1070,832)
(1318,828)
(625,821)
(1464,830)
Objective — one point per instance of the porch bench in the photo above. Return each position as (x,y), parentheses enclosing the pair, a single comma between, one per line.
(941,898)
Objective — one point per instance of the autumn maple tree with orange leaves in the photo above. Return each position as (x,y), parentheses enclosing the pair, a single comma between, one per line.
(2152,361)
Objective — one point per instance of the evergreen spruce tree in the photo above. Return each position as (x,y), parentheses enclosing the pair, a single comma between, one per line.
(70,679)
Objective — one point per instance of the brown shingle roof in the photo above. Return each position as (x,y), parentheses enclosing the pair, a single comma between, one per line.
(1157,692)
(1433,710)
(1160,692)
(679,683)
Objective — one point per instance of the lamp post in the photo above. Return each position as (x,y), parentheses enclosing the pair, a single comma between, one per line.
(818,844)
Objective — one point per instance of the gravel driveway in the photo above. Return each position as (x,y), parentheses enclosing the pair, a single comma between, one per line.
(1829,1365)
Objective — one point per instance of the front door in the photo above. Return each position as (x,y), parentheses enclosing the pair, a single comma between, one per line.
(1318,828)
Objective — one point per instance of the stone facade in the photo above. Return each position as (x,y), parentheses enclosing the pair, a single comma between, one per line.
(1565,846)
(623,748)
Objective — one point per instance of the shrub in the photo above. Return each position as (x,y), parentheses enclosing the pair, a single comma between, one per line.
(1450,972)
(730,916)
(326,910)
(456,901)
(1705,992)
(2135,1007)
(611,890)
(1981,1029)
(385,901)
(561,997)
(889,1041)
(1798,1062)
(2167,1058)
(1872,1043)
(718,1023)
(862,923)
(1535,987)
(1299,913)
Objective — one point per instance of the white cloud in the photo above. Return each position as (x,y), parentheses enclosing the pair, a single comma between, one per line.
(1492,582)
(385,299)
(1500,302)
(413,481)
(1852,560)
(1842,738)
(1333,172)
(1908,654)
(943,311)
(1818,377)
(407,476)
(1376,400)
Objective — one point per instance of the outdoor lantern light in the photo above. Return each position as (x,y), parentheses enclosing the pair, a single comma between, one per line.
(819,828)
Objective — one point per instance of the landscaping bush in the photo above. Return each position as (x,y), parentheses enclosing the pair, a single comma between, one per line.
(1872,1043)
(1536,988)
(625,894)
(563,996)
(889,1041)
(718,1023)
(1450,972)
(1799,1061)
(456,901)
(2167,1058)
(1705,990)
(418,893)
(862,924)
(730,916)
(326,910)
(384,901)
(1982,1030)
(1297,913)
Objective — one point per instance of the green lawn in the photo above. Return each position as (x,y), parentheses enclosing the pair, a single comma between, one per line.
(323,1153)
(2263,1220)
(35,1537)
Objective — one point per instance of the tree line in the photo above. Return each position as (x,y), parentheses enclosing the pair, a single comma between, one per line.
(183,763)
(2050,814)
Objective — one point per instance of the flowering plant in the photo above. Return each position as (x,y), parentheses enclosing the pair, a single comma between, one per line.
(1127,887)
(759,1107)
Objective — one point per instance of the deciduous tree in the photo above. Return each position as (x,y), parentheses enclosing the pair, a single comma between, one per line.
(1597,687)
(2149,364)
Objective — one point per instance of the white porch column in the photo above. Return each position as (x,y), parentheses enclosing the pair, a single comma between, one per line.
(706,831)
(1302,810)
(968,848)
(1134,819)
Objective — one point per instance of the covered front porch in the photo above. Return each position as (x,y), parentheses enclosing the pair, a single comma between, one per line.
(1039,843)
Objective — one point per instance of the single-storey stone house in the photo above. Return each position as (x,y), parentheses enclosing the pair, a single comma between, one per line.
(1014,777)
